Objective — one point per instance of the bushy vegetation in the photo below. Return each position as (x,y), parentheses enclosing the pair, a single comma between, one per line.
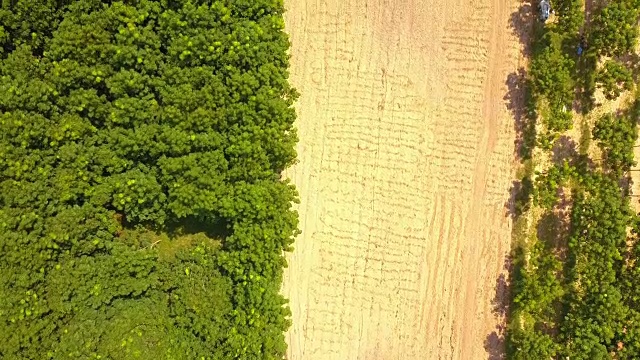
(575,290)
(537,292)
(611,36)
(614,78)
(142,214)
(614,31)
(616,136)
(580,308)
(551,79)
(545,191)
(570,18)
(553,70)
(595,312)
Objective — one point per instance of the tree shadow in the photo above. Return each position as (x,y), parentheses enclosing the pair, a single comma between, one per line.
(589,7)
(212,228)
(586,65)
(500,302)
(521,24)
(586,82)
(632,62)
(520,104)
(554,227)
(519,197)
(491,343)
(625,183)
(511,205)
(174,235)
(547,228)
(494,343)
(564,149)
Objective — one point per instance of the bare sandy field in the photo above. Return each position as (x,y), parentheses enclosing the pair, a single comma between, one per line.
(406,155)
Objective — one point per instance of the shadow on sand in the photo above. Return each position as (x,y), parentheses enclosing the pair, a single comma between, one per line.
(494,343)
(519,104)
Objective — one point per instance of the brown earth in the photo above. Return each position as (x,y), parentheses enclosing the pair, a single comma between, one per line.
(406,155)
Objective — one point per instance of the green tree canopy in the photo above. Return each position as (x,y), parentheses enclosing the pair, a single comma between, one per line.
(614,31)
(142,214)
(614,78)
(616,136)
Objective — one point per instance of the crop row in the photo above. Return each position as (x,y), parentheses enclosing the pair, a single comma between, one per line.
(575,288)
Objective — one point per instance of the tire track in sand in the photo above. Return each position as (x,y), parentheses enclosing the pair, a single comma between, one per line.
(405,154)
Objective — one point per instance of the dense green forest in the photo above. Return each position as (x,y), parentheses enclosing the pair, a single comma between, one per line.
(142,212)
(576,278)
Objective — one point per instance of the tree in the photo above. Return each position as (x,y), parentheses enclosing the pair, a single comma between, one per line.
(614,78)
(616,136)
(551,78)
(614,31)
(596,312)
(142,211)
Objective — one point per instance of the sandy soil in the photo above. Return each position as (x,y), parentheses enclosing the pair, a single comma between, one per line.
(406,150)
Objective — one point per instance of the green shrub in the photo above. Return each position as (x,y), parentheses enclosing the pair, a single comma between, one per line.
(125,129)
(616,136)
(614,31)
(551,78)
(614,78)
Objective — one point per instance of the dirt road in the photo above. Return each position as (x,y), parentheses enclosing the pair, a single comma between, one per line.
(406,150)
